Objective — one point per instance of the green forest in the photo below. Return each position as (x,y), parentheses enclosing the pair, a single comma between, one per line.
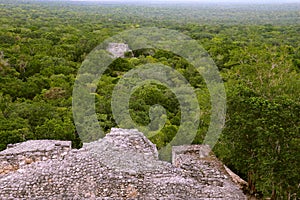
(256,49)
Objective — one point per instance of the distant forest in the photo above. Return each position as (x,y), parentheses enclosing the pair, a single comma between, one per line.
(255,47)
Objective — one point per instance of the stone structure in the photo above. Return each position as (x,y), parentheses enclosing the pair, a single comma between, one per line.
(118,50)
(200,162)
(122,165)
(20,154)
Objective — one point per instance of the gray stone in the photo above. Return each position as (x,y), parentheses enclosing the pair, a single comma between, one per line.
(122,165)
(118,49)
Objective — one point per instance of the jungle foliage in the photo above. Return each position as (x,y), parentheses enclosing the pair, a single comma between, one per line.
(256,49)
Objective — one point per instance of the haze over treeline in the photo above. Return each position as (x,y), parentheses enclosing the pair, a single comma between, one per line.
(200,1)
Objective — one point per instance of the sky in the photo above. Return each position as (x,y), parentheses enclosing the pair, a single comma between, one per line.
(202,1)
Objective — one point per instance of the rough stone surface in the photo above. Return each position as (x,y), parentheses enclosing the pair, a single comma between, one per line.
(122,165)
(20,154)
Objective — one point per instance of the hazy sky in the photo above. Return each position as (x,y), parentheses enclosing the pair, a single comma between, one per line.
(206,1)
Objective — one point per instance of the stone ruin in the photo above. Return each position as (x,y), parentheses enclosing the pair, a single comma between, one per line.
(21,154)
(122,165)
(118,50)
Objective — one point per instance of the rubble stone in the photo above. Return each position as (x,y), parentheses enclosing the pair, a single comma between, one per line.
(122,165)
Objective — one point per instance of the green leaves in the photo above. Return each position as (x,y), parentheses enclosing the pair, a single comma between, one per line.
(260,136)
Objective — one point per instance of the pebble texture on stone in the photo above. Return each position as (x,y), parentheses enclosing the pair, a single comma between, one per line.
(122,165)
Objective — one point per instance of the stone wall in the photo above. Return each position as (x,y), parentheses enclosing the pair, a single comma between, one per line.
(199,161)
(20,154)
(122,165)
